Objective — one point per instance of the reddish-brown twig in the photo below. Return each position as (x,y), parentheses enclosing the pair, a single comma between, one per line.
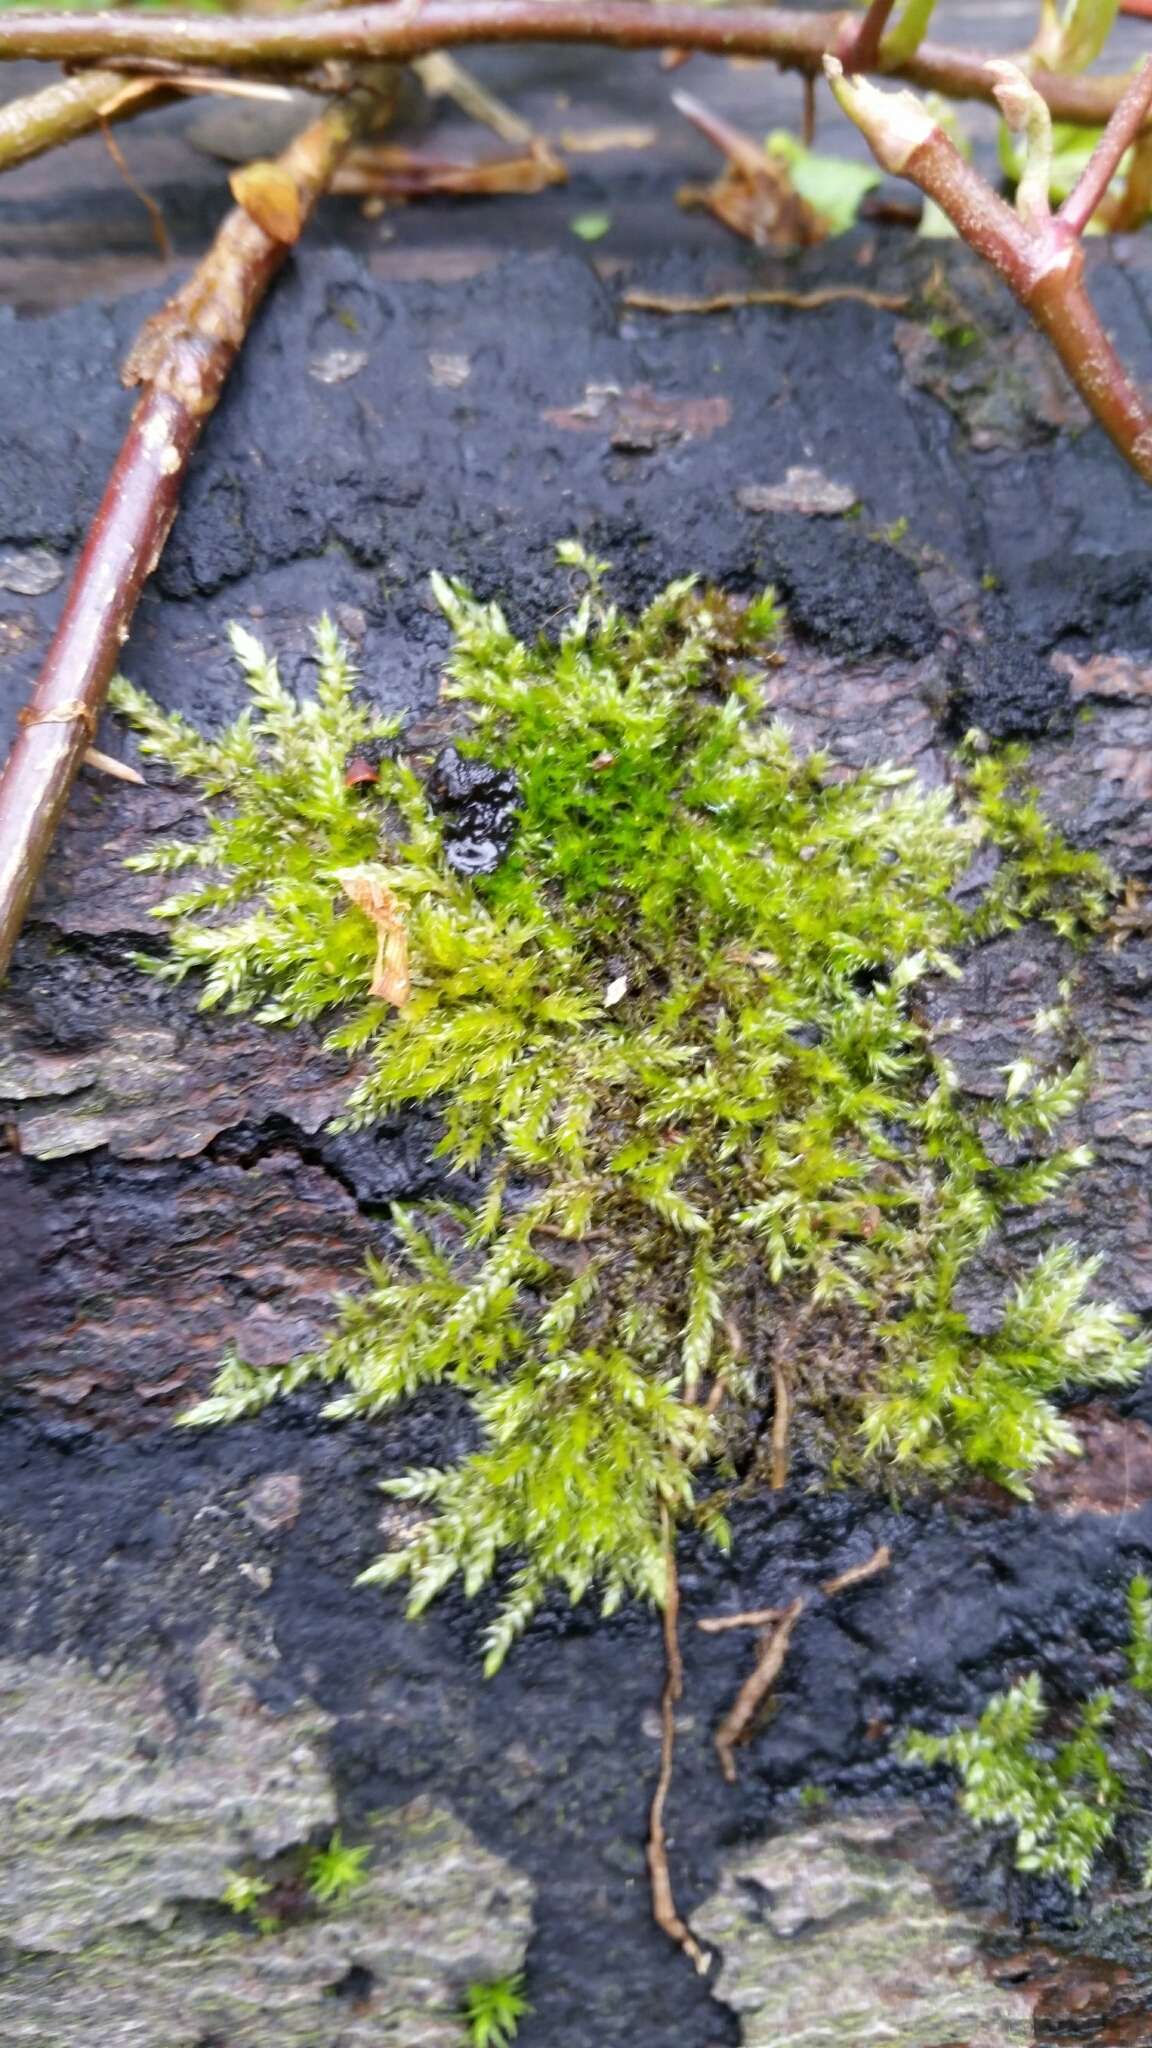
(1104,162)
(664,1908)
(863,49)
(181,360)
(795,41)
(755,1689)
(1039,256)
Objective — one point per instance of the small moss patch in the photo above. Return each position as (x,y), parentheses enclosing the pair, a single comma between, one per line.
(706,1143)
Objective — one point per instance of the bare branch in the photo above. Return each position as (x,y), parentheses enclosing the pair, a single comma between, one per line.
(1042,263)
(181,359)
(1122,131)
(863,51)
(795,41)
(71,108)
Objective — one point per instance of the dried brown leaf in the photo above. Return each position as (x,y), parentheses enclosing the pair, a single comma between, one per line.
(270,196)
(391,173)
(755,197)
(391,980)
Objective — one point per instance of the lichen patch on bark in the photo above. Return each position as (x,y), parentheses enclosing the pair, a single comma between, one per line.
(828,1937)
(122,1817)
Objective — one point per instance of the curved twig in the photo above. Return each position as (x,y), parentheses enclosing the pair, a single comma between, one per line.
(665,1911)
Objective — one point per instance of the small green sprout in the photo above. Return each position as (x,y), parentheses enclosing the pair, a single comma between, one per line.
(334,1873)
(493,2011)
(590,227)
(242,1893)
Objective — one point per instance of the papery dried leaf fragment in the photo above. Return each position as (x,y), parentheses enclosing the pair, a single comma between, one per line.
(391,980)
(270,196)
(755,197)
(395,173)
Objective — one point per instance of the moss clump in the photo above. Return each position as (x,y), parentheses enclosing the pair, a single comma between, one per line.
(1063,1799)
(676,1042)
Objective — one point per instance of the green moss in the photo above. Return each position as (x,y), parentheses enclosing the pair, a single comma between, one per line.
(1140,1633)
(336,1871)
(1062,1802)
(493,2010)
(1063,1799)
(678,1047)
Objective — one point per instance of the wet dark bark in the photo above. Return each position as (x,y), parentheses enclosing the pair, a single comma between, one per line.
(173,1189)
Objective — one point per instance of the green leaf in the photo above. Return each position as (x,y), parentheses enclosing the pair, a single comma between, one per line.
(591,227)
(832,185)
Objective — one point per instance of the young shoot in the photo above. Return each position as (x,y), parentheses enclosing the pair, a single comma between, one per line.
(493,2010)
(335,1872)
(1063,1799)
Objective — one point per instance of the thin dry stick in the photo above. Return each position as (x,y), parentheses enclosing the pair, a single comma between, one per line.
(752,1617)
(858,1573)
(758,1617)
(808,117)
(106,764)
(781,1417)
(64,112)
(664,1910)
(160,233)
(181,359)
(794,41)
(443,78)
(798,302)
(716,1393)
(755,1689)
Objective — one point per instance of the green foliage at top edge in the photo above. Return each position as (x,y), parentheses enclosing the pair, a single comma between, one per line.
(679,1048)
